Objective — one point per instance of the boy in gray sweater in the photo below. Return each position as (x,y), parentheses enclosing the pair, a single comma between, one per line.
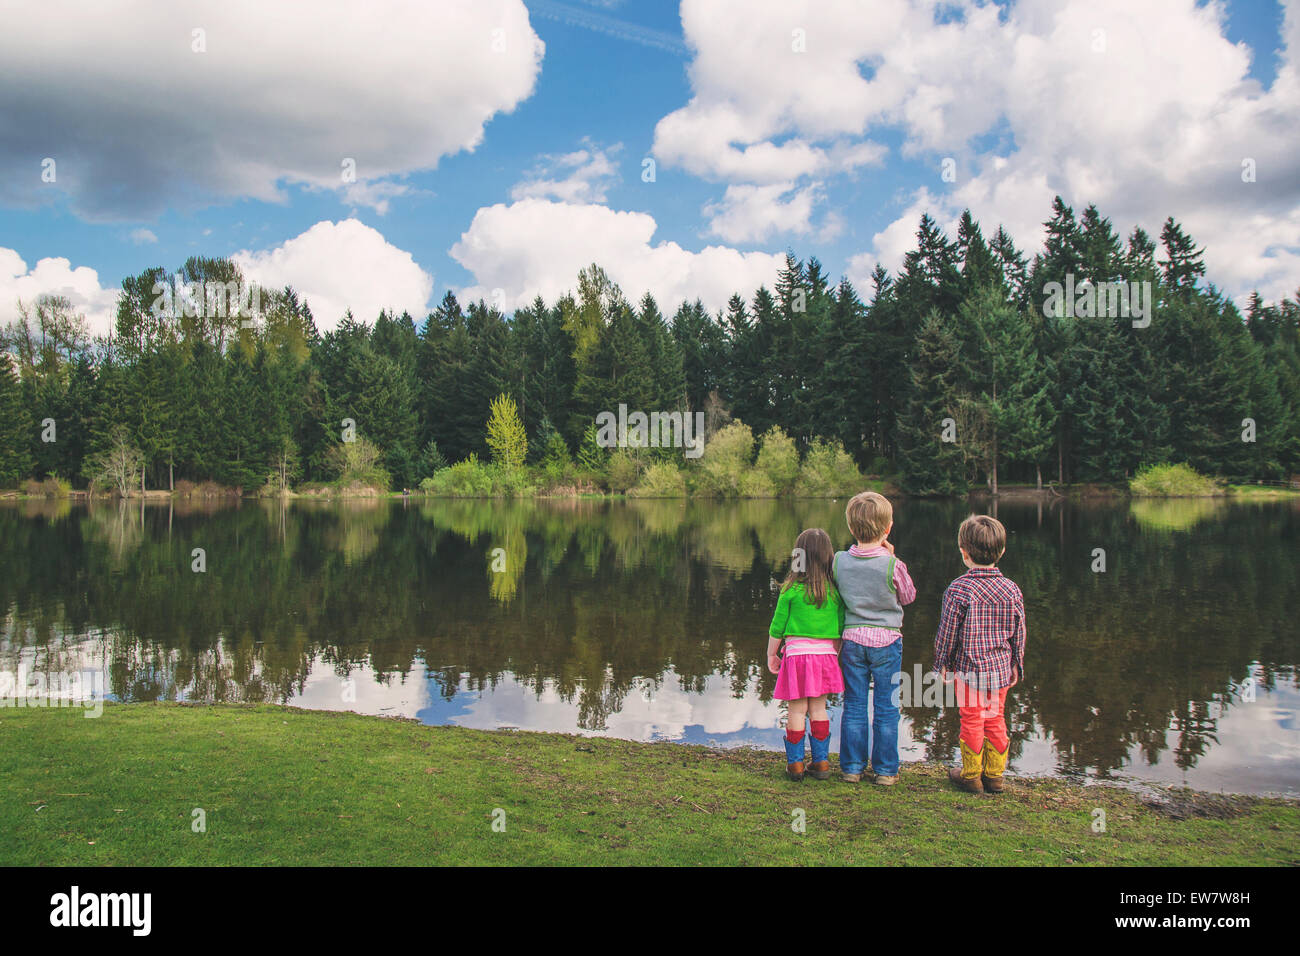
(874,586)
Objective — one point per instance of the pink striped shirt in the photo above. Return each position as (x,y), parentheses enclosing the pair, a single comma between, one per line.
(906,590)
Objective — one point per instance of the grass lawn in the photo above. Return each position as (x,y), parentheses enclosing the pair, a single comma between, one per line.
(281,786)
(1262,491)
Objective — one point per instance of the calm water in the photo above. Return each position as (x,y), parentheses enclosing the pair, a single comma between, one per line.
(648,620)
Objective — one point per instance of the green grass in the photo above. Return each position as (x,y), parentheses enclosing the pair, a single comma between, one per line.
(282,786)
(1262,491)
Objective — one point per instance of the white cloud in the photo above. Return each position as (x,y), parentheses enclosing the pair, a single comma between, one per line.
(143,236)
(278,96)
(536,247)
(753,213)
(583,176)
(1146,109)
(338,266)
(55,276)
(752,87)
(374,195)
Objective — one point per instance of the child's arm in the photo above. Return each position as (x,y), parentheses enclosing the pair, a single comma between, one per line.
(776,630)
(951,616)
(903,585)
(773,658)
(1018,644)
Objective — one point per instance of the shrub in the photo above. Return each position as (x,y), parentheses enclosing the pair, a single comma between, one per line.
(755,484)
(1173,481)
(184,488)
(624,470)
(511,483)
(465,479)
(727,456)
(472,478)
(661,480)
(358,462)
(828,471)
(778,461)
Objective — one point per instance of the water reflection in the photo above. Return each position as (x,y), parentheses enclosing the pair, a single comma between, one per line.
(647,619)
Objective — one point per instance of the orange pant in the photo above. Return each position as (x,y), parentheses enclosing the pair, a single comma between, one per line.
(981,717)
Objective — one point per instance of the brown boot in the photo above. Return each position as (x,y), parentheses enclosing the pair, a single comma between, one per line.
(794,770)
(967,776)
(820,769)
(995,765)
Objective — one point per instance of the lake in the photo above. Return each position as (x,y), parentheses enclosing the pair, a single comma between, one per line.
(647,620)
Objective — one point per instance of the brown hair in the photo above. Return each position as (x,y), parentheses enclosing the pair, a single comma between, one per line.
(869,516)
(983,538)
(818,557)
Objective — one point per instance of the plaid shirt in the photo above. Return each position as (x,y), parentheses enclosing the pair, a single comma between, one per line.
(982,629)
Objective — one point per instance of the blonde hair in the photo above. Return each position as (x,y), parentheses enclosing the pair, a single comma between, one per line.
(983,538)
(869,516)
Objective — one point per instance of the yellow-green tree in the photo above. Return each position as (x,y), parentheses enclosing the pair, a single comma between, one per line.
(506,438)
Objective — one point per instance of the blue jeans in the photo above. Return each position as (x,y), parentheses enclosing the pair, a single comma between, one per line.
(863,667)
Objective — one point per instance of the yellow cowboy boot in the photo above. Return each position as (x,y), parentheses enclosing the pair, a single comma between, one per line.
(995,764)
(967,777)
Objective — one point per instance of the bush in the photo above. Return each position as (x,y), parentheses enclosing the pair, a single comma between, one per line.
(828,471)
(661,480)
(624,470)
(472,478)
(1173,481)
(184,489)
(778,461)
(511,483)
(755,484)
(465,479)
(728,455)
(52,487)
(358,462)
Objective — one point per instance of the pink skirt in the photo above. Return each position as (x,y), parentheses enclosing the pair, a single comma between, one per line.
(807,675)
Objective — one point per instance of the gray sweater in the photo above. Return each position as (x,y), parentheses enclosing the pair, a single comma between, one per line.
(867,587)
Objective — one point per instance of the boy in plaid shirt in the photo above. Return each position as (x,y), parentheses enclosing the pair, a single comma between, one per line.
(981,640)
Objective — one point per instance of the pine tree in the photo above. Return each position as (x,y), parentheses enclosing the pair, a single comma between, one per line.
(15,427)
(929,431)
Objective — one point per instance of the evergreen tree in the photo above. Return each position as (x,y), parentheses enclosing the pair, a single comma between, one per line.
(15,428)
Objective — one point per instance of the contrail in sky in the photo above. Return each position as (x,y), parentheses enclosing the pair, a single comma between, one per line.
(611,26)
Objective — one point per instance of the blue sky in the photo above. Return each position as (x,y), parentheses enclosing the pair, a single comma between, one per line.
(997,88)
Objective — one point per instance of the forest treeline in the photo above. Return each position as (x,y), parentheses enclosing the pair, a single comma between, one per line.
(950,373)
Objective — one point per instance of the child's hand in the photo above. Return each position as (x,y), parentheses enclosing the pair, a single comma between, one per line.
(946,676)
(1015,678)
(888,545)
(774,663)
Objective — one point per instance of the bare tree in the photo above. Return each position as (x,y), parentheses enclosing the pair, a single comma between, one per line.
(120,465)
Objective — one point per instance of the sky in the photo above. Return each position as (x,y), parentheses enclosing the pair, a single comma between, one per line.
(378,155)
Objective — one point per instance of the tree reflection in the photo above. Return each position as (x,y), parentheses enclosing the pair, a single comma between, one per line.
(598,600)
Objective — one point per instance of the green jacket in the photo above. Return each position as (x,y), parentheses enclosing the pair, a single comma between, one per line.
(797,616)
